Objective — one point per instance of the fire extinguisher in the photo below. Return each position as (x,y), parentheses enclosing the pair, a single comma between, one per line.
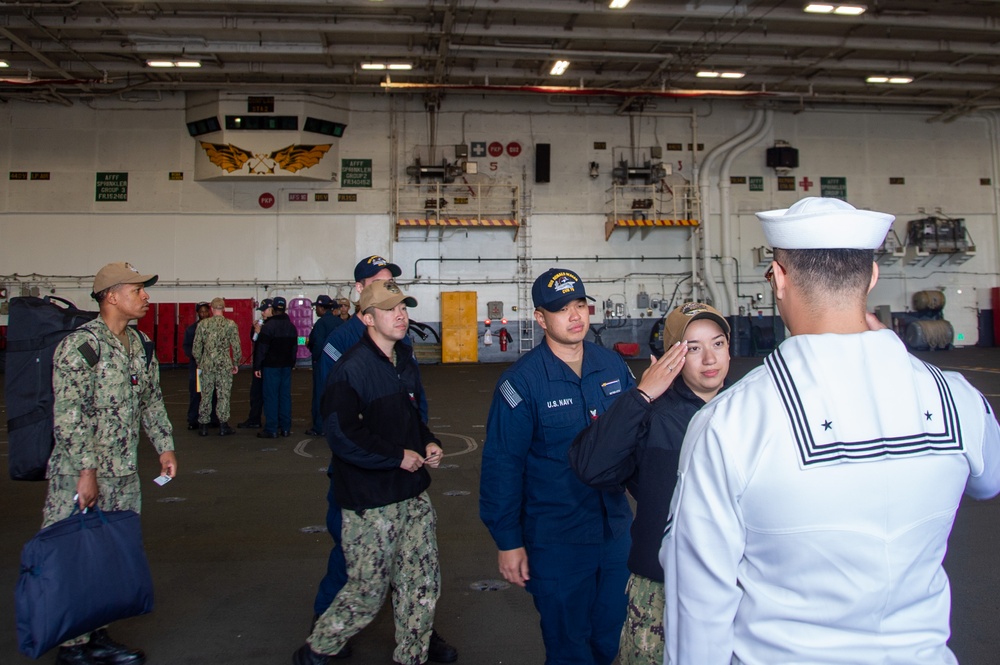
(488,338)
(504,338)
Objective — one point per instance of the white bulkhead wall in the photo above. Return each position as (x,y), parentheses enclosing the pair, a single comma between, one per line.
(203,237)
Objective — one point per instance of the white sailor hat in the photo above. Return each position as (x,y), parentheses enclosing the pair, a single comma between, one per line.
(824,223)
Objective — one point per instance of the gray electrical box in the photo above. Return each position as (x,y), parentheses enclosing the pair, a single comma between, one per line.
(494,309)
(642,300)
(884,314)
(461,150)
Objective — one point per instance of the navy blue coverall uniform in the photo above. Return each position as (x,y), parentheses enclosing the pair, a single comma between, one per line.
(576,537)
(274,357)
(324,325)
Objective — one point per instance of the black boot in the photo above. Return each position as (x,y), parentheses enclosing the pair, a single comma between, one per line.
(226,430)
(203,430)
(440,651)
(248,424)
(76,655)
(105,651)
(306,656)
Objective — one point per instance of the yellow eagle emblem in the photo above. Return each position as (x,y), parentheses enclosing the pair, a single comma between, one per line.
(230,158)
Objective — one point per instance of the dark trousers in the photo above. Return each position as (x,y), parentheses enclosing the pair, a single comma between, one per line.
(336,565)
(579,591)
(317,398)
(256,399)
(277,384)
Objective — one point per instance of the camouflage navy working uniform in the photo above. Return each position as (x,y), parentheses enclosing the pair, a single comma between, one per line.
(103,392)
(389,525)
(213,339)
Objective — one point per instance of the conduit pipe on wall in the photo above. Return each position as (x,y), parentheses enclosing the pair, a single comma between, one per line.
(597,258)
(704,180)
(725,231)
(993,122)
(693,244)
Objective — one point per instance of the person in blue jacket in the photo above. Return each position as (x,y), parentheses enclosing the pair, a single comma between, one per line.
(566,543)
(327,320)
(370,269)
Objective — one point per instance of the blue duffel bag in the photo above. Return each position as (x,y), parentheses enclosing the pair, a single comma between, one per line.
(80,574)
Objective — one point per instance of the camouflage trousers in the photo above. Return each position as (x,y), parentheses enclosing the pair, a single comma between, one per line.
(113,493)
(390,546)
(642,635)
(222,384)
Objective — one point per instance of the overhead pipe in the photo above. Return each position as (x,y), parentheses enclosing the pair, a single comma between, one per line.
(703,177)
(725,233)
(718,11)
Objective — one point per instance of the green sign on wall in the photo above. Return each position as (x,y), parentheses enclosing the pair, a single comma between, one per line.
(835,188)
(112,187)
(355,173)
(756,183)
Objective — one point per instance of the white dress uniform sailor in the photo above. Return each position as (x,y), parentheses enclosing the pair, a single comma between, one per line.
(813,507)
(837,548)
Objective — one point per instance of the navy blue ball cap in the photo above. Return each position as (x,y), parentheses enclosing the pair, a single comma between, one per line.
(279,303)
(264,304)
(373,265)
(325,301)
(557,287)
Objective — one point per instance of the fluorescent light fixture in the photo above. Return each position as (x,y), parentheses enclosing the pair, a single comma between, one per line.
(559,68)
(716,75)
(4,64)
(381,66)
(173,63)
(893,80)
(618,4)
(840,10)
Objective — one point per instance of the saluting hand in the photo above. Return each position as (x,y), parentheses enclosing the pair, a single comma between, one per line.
(661,373)
(874,323)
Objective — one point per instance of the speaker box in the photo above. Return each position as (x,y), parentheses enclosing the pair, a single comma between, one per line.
(543,152)
(783,157)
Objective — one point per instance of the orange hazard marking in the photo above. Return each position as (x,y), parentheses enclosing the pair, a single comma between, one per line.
(656,222)
(457,222)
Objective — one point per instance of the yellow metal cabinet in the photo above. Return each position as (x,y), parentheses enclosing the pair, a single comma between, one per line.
(459,327)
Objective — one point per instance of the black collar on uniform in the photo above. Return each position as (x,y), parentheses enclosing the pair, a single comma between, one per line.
(403,351)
